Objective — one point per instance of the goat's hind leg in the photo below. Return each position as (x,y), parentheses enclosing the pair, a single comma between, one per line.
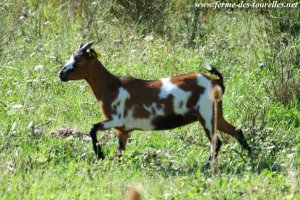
(122,138)
(218,147)
(208,128)
(226,127)
(96,146)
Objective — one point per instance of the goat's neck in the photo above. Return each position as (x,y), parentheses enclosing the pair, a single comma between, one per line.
(98,80)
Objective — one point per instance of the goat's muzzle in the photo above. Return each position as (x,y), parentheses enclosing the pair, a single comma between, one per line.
(62,76)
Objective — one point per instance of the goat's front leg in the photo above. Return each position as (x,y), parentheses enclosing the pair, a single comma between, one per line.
(93,133)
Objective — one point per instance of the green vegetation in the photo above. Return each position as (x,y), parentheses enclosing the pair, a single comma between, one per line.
(258,52)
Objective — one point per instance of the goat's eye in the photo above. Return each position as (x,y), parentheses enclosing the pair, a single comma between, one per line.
(78,59)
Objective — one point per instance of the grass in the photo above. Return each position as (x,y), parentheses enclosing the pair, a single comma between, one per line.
(36,164)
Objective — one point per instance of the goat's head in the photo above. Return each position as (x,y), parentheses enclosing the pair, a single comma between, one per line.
(80,63)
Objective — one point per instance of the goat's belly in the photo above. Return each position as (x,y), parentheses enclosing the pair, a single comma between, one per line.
(139,124)
(158,122)
(172,121)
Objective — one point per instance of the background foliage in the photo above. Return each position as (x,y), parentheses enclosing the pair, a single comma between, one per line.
(45,151)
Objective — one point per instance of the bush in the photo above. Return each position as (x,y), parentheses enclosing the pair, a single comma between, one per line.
(283,56)
(150,14)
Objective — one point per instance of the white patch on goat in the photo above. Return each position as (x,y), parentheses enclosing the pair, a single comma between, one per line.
(69,65)
(131,123)
(158,111)
(205,104)
(119,103)
(180,97)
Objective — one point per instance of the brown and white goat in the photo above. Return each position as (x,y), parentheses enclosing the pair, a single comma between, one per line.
(132,104)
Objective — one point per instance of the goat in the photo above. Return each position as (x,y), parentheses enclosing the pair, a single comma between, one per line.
(130,104)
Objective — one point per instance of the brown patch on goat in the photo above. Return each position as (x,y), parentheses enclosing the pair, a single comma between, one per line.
(108,110)
(140,112)
(184,82)
(149,95)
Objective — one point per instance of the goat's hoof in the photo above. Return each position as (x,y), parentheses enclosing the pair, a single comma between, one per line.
(101,155)
(250,153)
(119,154)
(205,167)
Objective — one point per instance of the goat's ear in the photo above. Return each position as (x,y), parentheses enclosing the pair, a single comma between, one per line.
(87,46)
(93,53)
(80,46)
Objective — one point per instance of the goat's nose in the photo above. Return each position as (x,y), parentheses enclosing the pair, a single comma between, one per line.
(62,76)
(60,73)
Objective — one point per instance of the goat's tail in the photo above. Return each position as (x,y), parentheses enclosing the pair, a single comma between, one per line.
(214,71)
(216,95)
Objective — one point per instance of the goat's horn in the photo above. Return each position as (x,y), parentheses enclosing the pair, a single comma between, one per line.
(87,46)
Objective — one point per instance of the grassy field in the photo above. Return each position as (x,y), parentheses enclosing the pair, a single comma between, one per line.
(45,151)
